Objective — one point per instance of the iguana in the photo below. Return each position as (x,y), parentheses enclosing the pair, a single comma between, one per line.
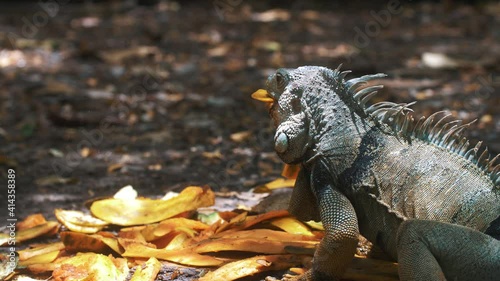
(414,188)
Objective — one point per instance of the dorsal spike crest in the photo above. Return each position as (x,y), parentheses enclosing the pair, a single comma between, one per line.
(401,124)
(361,93)
(464,146)
(473,154)
(492,161)
(469,155)
(483,159)
(455,135)
(449,131)
(451,144)
(478,145)
(352,84)
(406,123)
(442,131)
(437,126)
(344,73)
(380,110)
(379,105)
(497,169)
(368,97)
(418,126)
(454,126)
(425,127)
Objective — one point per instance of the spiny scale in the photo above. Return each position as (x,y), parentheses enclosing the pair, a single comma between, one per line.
(447,135)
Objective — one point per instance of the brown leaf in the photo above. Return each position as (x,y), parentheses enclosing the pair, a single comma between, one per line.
(39,250)
(186,257)
(91,267)
(291,171)
(44,258)
(80,242)
(48,228)
(251,266)
(79,222)
(148,271)
(31,221)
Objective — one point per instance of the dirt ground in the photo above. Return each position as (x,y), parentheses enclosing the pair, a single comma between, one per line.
(94,97)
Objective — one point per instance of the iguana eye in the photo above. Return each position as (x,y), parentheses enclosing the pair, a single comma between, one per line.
(281,79)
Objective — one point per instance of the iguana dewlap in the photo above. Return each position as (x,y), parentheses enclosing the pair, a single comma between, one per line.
(415,189)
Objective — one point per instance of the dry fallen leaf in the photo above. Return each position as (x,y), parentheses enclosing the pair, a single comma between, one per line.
(364,269)
(251,266)
(187,256)
(263,96)
(144,211)
(172,224)
(139,233)
(79,222)
(290,171)
(54,179)
(127,193)
(256,240)
(8,263)
(39,250)
(240,136)
(91,267)
(31,221)
(115,166)
(253,220)
(41,259)
(157,235)
(148,271)
(292,225)
(80,242)
(277,183)
(48,228)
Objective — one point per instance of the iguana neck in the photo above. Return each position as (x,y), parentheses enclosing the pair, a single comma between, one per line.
(337,132)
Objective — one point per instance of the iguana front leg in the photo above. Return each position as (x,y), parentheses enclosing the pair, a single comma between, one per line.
(338,246)
(431,250)
(303,202)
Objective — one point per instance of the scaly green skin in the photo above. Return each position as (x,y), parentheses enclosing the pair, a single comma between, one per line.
(413,188)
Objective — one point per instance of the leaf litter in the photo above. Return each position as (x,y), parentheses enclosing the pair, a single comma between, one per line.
(178,237)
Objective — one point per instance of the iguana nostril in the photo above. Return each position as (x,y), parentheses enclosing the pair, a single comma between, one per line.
(281,142)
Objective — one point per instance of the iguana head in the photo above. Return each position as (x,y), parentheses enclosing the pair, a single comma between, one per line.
(312,108)
(286,90)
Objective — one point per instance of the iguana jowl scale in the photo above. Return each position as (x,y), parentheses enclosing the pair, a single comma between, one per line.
(415,188)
